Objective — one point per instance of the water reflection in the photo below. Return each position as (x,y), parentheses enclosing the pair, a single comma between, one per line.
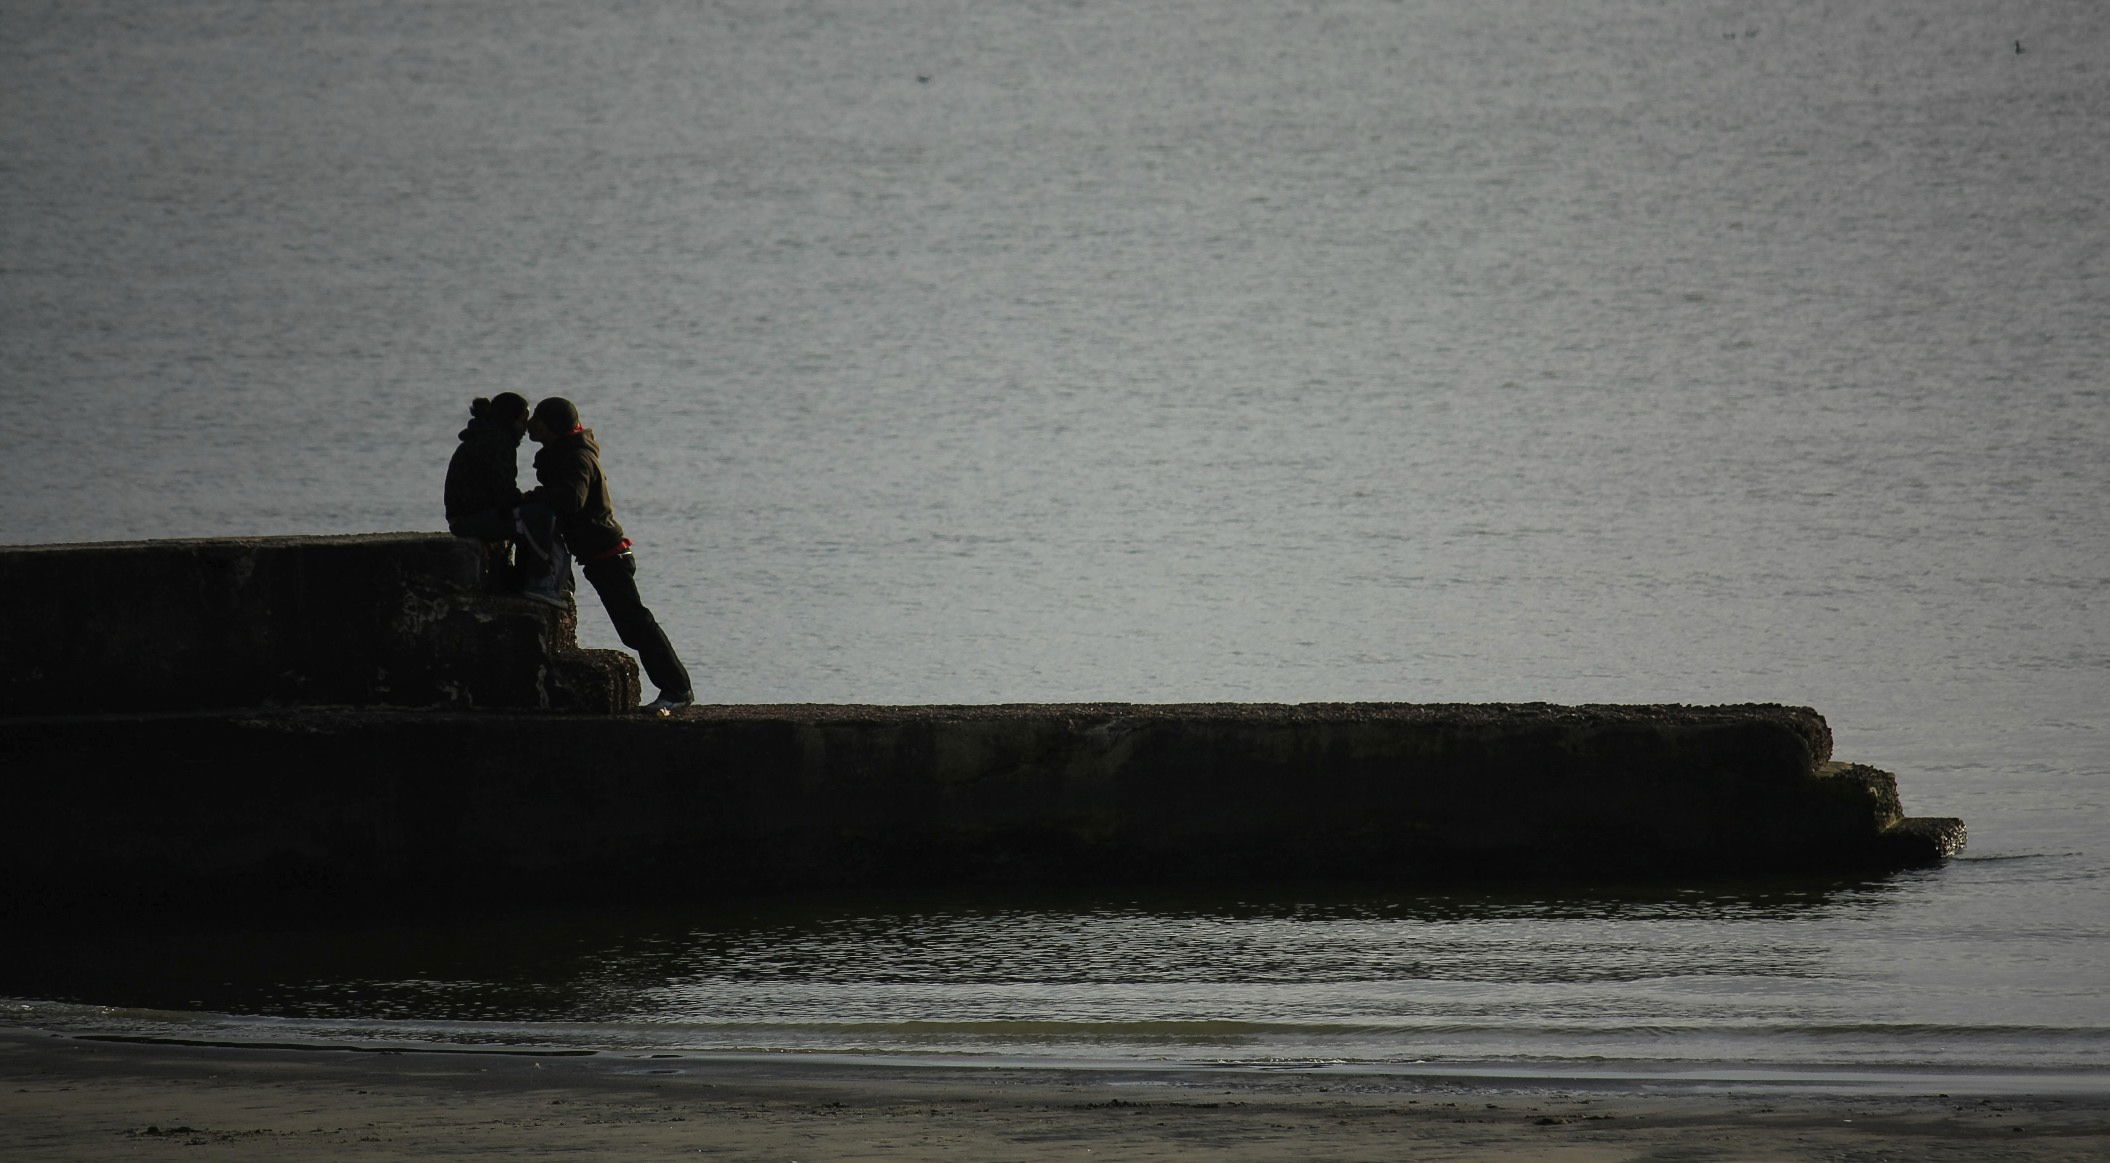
(1304,955)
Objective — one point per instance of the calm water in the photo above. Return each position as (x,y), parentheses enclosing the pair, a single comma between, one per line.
(1576,350)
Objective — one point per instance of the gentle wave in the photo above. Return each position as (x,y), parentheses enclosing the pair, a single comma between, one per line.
(1804,1046)
(2011,857)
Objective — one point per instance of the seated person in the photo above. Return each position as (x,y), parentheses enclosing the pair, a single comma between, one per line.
(483,500)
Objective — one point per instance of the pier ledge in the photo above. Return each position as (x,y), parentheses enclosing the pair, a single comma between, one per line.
(441,745)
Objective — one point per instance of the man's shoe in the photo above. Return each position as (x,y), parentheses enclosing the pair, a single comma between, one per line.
(667,704)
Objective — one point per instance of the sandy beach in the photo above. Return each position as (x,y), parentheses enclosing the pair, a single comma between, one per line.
(64,1096)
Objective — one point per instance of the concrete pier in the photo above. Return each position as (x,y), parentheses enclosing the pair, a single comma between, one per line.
(391,619)
(369,803)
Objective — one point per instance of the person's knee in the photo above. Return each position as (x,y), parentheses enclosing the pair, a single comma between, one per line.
(488,526)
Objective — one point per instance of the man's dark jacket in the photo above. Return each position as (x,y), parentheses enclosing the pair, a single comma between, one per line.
(572,485)
(484,473)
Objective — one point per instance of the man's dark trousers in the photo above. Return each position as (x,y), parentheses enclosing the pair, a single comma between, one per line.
(615,579)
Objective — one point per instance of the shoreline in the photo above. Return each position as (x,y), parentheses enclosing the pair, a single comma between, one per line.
(1599,1072)
(72,1096)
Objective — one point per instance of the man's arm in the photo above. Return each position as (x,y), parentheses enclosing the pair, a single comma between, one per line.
(564,486)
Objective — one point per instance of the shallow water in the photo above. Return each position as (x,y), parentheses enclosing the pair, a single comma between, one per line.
(1583,352)
(1795,975)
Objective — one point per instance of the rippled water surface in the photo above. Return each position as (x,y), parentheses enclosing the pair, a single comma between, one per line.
(1566,350)
(1790,974)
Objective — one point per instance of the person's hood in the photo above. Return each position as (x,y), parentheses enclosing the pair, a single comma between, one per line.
(482,429)
(583,438)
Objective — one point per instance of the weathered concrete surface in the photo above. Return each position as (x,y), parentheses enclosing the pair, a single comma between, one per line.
(354,809)
(309,793)
(382,619)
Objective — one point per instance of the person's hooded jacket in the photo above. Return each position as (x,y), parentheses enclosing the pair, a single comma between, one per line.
(570,482)
(483,476)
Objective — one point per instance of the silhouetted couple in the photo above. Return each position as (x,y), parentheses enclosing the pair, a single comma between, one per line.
(568,514)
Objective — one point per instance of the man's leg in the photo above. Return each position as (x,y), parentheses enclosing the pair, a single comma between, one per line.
(615,579)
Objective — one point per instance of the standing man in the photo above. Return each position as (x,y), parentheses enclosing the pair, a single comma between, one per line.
(571,485)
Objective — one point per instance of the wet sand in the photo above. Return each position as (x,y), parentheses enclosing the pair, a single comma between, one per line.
(68,1097)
